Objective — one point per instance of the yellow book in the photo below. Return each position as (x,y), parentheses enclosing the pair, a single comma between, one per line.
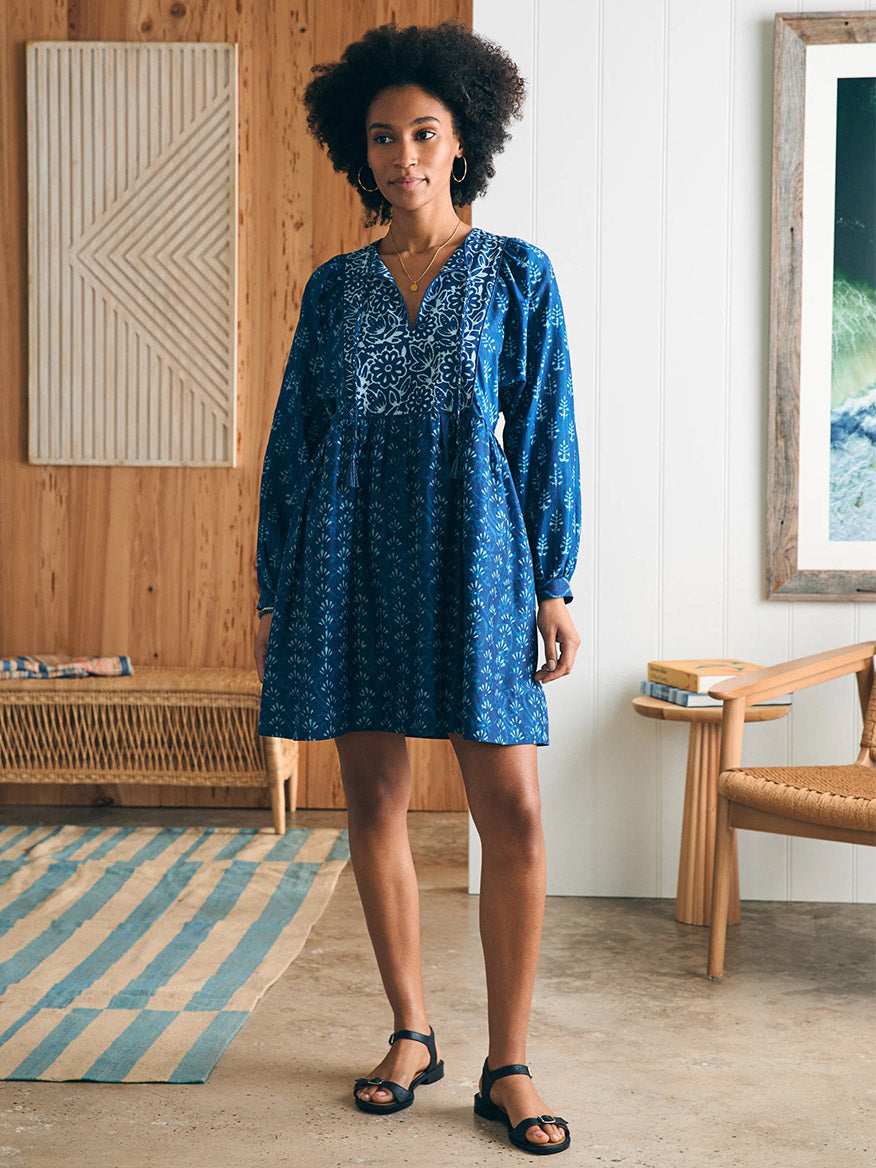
(697,676)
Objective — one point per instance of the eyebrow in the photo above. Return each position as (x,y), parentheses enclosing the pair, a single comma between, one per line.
(415,122)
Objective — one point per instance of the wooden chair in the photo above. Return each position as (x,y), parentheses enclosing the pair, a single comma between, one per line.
(819,802)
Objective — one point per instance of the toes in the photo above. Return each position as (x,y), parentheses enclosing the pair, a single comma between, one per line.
(376,1095)
(549,1133)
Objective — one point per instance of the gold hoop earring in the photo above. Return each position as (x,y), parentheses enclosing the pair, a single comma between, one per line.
(370,190)
(464,173)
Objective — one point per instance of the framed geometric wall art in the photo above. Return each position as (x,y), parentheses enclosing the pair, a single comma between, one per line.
(132,245)
(821,512)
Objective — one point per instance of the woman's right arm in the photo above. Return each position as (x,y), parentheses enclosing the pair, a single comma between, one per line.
(301,420)
(261,644)
(287,449)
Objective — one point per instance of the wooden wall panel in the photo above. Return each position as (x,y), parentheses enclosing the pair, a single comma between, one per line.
(159,563)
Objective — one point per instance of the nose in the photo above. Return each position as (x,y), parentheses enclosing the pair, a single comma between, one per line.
(405,155)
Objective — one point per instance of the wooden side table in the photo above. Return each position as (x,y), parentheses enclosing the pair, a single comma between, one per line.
(693,902)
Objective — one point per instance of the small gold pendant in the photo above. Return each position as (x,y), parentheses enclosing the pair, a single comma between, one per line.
(414,286)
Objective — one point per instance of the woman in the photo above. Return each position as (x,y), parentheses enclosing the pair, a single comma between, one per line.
(403,551)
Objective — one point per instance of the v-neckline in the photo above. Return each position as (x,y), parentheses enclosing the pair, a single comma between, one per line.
(412,324)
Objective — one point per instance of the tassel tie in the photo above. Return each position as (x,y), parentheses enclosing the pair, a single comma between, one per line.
(353,477)
(456,468)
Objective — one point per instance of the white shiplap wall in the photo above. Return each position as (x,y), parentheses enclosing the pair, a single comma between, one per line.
(642,168)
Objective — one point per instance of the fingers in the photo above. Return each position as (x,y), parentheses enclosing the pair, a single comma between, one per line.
(554,658)
(567,655)
(561,643)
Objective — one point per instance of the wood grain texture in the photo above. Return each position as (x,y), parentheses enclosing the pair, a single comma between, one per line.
(693,901)
(783,579)
(159,563)
(785,303)
(830,28)
(669,712)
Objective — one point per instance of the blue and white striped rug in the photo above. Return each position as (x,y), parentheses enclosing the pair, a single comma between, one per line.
(135,954)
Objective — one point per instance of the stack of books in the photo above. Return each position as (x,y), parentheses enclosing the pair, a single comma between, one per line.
(687,683)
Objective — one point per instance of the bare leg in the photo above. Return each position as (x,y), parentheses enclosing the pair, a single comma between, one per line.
(376,774)
(502,787)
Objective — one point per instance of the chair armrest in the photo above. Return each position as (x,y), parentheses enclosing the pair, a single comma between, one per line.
(783,679)
(799,674)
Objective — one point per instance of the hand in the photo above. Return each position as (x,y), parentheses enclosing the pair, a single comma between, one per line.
(261,644)
(557,628)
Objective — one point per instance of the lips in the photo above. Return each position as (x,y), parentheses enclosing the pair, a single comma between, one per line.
(408,183)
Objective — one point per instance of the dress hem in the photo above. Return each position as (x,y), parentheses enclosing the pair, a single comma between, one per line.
(436,736)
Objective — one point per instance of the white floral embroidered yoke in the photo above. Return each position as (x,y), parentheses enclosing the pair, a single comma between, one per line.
(402,547)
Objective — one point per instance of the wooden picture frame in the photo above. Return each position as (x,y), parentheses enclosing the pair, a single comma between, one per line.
(793,570)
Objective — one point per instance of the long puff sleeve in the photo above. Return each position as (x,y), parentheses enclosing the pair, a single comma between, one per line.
(300,422)
(539,437)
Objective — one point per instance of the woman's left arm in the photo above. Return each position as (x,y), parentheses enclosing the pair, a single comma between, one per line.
(541,445)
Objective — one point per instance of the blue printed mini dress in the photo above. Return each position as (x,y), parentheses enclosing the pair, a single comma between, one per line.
(402,548)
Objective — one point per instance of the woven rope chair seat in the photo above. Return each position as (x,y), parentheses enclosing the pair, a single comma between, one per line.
(836,796)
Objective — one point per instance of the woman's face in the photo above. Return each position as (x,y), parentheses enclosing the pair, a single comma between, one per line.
(411,146)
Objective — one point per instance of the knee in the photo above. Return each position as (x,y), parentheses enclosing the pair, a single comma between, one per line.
(512,824)
(376,797)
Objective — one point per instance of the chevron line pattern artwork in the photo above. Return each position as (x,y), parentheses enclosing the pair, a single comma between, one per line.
(132,239)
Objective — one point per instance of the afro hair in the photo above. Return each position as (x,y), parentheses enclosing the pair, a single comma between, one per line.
(473,77)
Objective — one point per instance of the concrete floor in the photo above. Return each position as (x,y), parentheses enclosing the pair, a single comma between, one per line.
(653,1065)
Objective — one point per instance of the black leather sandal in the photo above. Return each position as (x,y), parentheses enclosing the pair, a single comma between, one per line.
(404,1096)
(484,1107)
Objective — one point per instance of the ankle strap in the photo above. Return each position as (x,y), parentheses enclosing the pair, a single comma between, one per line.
(428,1039)
(500,1072)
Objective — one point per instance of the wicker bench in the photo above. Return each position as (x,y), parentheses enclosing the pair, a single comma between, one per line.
(187,727)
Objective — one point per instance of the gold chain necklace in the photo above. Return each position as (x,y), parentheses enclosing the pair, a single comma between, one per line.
(415,282)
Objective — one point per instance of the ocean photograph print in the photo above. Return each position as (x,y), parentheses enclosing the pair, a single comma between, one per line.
(821,485)
(853,365)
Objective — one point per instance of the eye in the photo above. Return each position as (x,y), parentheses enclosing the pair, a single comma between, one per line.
(380,139)
(425,134)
